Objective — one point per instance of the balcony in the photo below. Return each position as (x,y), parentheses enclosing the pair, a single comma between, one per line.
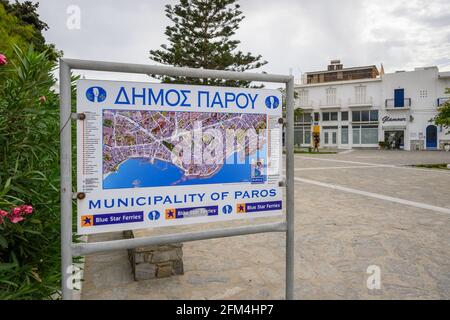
(441,101)
(333,104)
(305,105)
(390,104)
(363,102)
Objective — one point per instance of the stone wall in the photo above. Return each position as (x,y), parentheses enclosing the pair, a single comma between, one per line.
(157,261)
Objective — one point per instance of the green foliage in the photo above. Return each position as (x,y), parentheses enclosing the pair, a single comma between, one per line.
(443,116)
(12,32)
(384,144)
(200,37)
(20,25)
(29,174)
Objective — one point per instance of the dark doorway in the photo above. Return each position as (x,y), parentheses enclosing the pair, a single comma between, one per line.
(395,139)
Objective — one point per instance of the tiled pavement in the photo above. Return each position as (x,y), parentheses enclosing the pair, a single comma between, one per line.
(339,234)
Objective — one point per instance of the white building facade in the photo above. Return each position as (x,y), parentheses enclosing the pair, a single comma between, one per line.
(393,108)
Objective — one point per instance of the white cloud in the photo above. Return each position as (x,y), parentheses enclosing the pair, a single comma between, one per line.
(298,35)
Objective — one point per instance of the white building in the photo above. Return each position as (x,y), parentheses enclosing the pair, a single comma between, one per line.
(358,107)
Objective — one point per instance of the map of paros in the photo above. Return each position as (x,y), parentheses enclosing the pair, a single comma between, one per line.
(139,148)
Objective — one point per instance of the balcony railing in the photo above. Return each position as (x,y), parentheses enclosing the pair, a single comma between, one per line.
(330,104)
(304,104)
(367,101)
(441,101)
(390,104)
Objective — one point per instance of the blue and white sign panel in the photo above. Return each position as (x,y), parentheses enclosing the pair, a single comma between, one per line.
(153,155)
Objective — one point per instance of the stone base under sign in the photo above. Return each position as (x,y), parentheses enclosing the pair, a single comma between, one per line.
(157,261)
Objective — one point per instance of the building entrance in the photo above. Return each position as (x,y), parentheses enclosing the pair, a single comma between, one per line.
(395,139)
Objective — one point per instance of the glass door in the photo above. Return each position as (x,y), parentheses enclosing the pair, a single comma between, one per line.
(330,137)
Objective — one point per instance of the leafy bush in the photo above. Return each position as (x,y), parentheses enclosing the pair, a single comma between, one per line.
(443,116)
(29,175)
(383,144)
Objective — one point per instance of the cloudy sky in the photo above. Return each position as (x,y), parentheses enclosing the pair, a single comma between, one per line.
(292,35)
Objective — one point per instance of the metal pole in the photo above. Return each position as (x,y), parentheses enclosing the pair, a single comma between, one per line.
(81,249)
(290,189)
(173,71)
(66,177)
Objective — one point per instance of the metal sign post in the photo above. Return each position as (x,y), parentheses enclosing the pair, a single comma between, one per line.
(70,249)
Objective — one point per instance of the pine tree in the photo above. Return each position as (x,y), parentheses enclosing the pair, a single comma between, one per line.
(201,37)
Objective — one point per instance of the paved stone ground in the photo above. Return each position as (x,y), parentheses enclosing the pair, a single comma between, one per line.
(338,235)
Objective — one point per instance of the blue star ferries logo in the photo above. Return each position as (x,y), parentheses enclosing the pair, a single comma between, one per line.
(96,94)
(272,102)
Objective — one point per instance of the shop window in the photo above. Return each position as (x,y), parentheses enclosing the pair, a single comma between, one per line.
(344,135)
(356,131)
(344,116)
(302,135)
(365,134)
(369,134)
(307,136)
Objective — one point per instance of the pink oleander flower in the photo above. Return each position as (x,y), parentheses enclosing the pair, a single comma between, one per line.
(16,211)
(15,218)
(3,213)
(42,99)
(3,59)
(27,209)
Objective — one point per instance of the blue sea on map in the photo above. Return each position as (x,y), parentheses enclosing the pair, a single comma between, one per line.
(139,172)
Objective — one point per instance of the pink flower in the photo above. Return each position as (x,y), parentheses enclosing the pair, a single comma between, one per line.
(27,209)
(15,218)
(16,211)
(3,213)
(42,99)
(3,59)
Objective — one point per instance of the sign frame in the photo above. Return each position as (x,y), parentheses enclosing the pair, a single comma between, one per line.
(70,249)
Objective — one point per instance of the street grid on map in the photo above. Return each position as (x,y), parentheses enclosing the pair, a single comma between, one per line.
(150,135)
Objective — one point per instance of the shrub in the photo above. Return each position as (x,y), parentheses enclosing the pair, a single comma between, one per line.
(29,175)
